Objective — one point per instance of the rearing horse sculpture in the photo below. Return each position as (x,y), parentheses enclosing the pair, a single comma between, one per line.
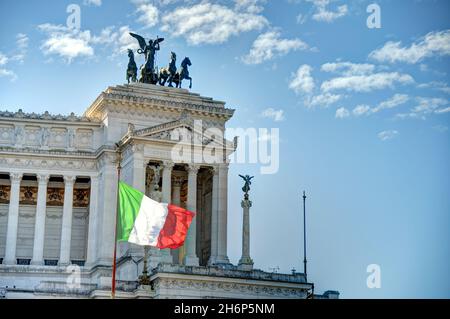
(182,74)
(132,68)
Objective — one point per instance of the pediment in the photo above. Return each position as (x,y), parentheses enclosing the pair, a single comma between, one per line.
(179,131)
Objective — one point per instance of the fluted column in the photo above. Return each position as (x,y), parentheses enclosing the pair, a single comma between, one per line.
(93,223)
(66,231)
(246,263)
(166,198)
(191,258)
(222,215)
(13,220)
(177,182)
(167,182)
(39,227)
(214,216)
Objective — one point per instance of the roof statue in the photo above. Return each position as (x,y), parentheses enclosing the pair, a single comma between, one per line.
(149,73)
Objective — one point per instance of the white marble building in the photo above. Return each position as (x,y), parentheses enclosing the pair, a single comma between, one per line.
(58,187)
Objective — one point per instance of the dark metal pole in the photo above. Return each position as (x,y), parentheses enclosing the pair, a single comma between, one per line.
(113,280)
(304,236)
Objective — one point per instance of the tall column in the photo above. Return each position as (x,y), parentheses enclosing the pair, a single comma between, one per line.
(66,230)
(139,167)
(93,223)
(167,182)
(177,181)
(246,263)
(166,198)
(214,216)
(191,258)
(39,227)
(222,210)
(13,220)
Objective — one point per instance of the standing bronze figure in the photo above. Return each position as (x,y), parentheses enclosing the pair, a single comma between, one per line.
(167,74)
(247,179)
(148,73)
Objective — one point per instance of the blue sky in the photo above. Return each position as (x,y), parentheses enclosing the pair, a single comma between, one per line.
(363,116)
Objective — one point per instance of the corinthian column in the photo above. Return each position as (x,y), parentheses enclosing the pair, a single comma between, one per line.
(214,216)
(191,258)
(222,215)
(93,223)
(13,220)
(166,198)
(167,182)
(66,231)
(246,263)
(39,227)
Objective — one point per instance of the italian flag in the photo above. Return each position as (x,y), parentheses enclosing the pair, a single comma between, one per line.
(143,221)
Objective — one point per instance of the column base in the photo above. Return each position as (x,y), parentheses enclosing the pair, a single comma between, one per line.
(218,260)
(36,263)
(246,264)
(191,261)
(10,262)
(166,256)
(63,263)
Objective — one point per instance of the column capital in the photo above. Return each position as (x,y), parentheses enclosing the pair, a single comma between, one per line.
(177,181)
(214,170)
(193,168)
(43,178)
(15,177)
(69,179)
(168,165)
(246,203)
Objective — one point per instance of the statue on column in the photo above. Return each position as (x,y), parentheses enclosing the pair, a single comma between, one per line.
(246,262)
(247,179)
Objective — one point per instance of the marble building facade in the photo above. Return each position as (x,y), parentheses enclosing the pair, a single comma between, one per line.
(58,190)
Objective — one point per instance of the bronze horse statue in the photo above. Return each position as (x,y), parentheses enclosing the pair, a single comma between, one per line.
(132,68)
(167,74)
(182,74)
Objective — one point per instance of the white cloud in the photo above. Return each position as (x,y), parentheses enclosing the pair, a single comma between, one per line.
(396,100)
(324,14)
(66,43)
(444,110)
(361,110)
(21,47)
(269,45)
(96,3)
(348,68)
(3,59)
(207,23)
(435,43)
(276,115)
(366,83)
(251,6)
(436,85)
(149,14)
(426,106)
(324,100)
(387,135)
(8,73)
(302,81)
(342,113)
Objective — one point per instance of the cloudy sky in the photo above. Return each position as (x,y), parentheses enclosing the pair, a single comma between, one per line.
(363,116)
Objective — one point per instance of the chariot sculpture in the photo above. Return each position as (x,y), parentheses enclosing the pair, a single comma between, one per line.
(149,73)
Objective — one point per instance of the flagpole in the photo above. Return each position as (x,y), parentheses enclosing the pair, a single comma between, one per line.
(113,283)
(304,236)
